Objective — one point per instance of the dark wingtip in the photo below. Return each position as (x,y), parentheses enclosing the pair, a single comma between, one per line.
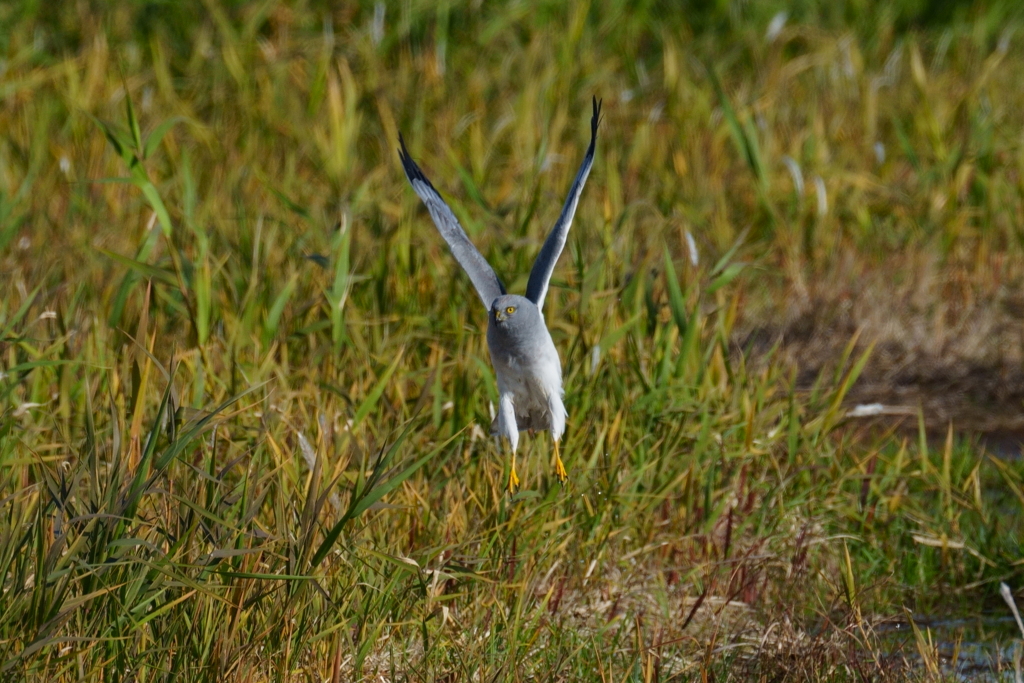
(412,171)
(594,120)
(407,163)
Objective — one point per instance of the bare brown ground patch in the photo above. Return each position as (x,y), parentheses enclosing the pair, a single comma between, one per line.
(947,338)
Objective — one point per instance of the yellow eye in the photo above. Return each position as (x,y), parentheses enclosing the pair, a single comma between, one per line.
(510,310)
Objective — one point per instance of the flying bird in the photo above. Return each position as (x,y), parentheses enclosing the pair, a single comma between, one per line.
(524,357)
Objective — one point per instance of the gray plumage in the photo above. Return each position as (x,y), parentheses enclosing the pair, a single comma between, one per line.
(544,265)
(524,357)
(528,370)
(487,284)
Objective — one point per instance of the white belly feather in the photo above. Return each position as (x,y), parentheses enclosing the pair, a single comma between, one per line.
(534,383)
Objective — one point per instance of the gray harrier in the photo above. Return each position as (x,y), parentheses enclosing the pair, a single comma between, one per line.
(524,357)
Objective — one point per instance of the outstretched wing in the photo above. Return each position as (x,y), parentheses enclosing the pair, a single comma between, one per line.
(487,284)
(540,275)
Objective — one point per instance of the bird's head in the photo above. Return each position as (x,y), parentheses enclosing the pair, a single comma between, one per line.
(510,309)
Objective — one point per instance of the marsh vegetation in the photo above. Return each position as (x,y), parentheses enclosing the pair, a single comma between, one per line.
(245,389)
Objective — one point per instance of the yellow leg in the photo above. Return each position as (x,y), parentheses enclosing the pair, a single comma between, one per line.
(559,467)
(513,479)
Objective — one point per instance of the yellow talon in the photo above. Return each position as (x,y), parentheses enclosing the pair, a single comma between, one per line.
(559,467)
(513,479)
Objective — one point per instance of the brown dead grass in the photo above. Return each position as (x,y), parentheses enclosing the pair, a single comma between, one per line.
(946,337)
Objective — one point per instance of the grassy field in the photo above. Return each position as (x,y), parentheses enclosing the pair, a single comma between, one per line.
(245,389)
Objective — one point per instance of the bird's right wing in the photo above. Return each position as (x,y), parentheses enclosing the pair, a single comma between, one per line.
(487,284)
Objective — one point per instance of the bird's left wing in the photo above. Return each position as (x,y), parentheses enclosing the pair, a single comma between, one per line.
(487,284)
(544,266)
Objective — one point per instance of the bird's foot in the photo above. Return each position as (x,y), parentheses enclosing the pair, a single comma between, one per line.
(513,481)
(560,468)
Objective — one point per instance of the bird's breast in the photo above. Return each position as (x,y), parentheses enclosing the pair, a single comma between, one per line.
(529,377)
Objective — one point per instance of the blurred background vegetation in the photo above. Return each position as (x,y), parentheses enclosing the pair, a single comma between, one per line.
(245,390)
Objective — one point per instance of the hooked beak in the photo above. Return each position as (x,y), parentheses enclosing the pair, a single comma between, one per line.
(500,316)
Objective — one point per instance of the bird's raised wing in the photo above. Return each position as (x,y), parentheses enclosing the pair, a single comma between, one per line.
(540,275)
(487,284)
